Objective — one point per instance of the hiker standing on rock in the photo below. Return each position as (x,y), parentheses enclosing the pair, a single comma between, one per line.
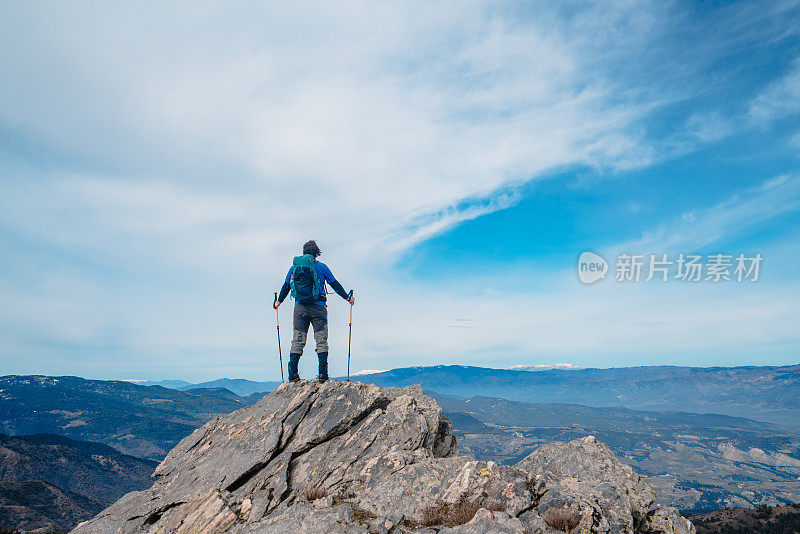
(306,280)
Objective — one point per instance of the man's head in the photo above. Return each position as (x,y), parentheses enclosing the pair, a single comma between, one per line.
(311,248)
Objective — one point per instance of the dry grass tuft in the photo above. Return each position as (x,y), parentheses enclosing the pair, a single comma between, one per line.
(362,516)
(449,515)
(434,515)
(462,512)
(359,514)
(313,493)
(562,519)
(342,496)
(494,505)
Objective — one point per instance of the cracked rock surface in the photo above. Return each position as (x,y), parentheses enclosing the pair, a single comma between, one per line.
(343,457)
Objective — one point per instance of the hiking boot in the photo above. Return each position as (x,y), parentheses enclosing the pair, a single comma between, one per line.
(322,373)
(294,361)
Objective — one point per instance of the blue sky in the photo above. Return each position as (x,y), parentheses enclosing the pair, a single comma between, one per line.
(160,165)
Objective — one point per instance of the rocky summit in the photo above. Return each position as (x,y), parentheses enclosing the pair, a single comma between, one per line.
(340,457)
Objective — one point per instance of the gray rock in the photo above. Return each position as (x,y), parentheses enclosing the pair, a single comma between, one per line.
(533,523)
(486,522)
(667,520)
(427,483)
(585,480)
(303,519)
(352,458)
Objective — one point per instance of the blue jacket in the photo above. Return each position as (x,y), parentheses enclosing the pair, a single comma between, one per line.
(325,276)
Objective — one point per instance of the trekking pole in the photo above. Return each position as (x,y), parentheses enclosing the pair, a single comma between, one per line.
(278,324)
(349,335)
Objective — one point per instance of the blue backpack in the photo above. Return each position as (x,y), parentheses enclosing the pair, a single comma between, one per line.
(304,281)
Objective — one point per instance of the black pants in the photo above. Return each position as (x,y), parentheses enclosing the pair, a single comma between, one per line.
(317,317)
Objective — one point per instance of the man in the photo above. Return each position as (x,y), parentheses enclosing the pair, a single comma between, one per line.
(306,279)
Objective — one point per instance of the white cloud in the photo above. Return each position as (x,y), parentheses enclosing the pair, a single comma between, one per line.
(779,100)
(709,127)
(377,125)
(700,228)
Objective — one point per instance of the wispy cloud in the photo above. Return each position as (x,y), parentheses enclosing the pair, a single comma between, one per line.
(382,127)
(700,228)
(779,100)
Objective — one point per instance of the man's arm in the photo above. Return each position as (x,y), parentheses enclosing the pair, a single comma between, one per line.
(284,289)
(336,286)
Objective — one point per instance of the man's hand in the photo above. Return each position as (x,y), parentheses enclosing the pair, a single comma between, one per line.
(276,304)
(351,300)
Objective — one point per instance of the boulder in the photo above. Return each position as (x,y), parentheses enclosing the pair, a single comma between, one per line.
(585,479)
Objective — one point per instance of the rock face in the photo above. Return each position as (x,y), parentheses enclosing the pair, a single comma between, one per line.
(353,458)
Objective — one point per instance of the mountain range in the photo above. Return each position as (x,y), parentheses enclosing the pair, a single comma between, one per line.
(659,420)
(91,469)
(141,421)
(49,481)
(761,393)
(770,394)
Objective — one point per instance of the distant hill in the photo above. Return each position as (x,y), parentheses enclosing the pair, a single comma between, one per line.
(217,392)
(36,504)
(137,420)
(762,520)
(240,386)
(172,384)
(762,393)
(90,469)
